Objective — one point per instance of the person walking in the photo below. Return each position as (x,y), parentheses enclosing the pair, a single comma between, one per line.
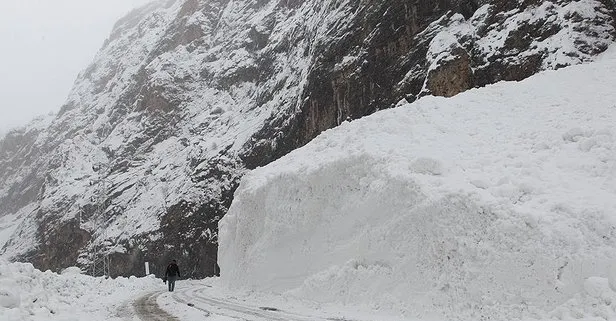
(172,274)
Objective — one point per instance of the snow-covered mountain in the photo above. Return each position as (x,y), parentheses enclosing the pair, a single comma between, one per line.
(187,96)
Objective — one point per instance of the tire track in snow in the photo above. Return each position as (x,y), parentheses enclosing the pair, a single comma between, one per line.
(148,310)
(184,300)
(239,311)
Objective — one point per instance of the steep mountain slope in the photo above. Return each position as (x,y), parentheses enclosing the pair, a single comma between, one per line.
(475,207)
(186,96)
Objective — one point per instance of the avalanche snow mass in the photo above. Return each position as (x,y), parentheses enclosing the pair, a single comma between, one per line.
(497,203)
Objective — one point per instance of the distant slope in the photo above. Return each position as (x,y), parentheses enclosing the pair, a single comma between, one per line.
(495,204)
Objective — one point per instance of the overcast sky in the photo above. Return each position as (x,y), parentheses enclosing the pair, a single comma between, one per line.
(44,44)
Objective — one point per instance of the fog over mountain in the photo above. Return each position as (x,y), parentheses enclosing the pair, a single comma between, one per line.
(50,43)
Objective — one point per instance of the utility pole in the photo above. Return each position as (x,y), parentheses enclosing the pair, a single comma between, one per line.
(100,256)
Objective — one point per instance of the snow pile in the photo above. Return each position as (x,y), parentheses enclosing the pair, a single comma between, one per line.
(29,294)
(497,203)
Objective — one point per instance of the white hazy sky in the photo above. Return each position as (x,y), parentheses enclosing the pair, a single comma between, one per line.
(44,44)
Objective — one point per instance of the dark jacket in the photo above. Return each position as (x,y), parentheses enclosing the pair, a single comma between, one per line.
(172,270)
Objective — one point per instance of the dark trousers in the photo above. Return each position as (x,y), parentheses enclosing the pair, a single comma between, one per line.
(171,282)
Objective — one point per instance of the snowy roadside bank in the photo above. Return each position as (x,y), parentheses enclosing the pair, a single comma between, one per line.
(498,203)
(29,294)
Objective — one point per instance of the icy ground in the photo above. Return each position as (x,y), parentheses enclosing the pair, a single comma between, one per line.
(496,204)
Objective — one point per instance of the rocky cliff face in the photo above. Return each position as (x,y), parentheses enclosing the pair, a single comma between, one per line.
(187,95)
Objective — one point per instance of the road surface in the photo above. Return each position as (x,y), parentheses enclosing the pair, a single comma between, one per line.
(188,303)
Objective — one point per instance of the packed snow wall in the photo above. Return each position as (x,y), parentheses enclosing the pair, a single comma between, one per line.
(494,204)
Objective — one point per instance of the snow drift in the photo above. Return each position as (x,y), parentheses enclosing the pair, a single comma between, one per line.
(30,294)
(497,203)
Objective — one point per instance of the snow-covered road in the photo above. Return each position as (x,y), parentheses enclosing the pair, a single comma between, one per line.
(205,299)
(197,300)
